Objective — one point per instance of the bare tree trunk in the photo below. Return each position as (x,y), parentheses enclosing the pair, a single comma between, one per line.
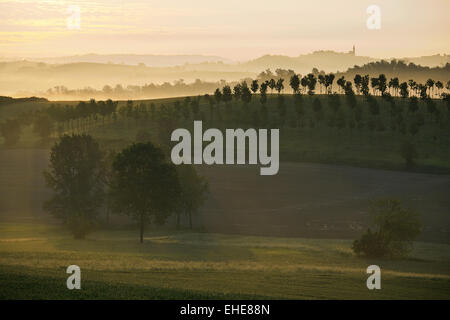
(107,215)
(142,228)
(190,219)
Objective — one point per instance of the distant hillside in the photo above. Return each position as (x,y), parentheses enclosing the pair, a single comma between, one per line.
(436,60)
(401,70)
(25,78)
(331,61)
(150,60)
(9,100)
(328,61)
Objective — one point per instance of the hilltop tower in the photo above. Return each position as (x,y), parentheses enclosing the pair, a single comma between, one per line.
(353,51)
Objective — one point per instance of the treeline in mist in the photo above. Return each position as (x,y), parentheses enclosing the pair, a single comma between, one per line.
(394,68)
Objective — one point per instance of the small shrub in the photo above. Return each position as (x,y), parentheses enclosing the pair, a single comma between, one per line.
(395,228)
(409,154)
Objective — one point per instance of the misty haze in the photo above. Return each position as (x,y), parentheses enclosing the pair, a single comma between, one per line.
(92,94)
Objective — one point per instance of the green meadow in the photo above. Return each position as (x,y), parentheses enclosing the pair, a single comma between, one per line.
(185,265)
(333,137)
(283,237)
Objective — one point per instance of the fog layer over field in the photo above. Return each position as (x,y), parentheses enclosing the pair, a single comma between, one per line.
(304,200)
(102,77)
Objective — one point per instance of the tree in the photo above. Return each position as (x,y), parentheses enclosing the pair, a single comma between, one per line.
(279,85)
(143,136)
(374,108)
(263,92)
(348,90)
(281,108)
(340,120)
(365,85)
(382,84)
(108,175)
(304,82)
(211,106)
(254,86)
(10,130)
(321,79)
(299,108)
(195,107)
(329,79)
(394,84)
(413,104)
(341,82)
(272,85)
(227,96)
(294,82)
(145,186)
(430,85)
(422,91)
(374,84)
(218,95)
(263,88)
(153,111)
(439,85)
(412,85)
(193,190)
(409,153)
(317,108)
(358,81)
(76,176)
(43,126)
(334,102)
(414,128)
(312,80)
(404,93)
(246,94)
(178,110)
(395,229)
(237,91)
(263,100)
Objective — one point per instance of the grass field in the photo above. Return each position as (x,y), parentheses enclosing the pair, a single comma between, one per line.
(302,200)
(298,141)
(286,236)
(33,259)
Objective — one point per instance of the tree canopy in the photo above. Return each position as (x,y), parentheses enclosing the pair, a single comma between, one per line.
(145,186)
(395,228)
(193,190)
(76,176)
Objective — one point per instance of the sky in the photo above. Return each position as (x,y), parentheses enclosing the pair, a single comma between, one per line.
(233,29)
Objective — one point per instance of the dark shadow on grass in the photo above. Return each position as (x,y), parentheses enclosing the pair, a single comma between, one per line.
(20,283)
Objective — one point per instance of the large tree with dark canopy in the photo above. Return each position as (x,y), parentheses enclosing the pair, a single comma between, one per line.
(76,176)
(194,189)
(294,82)
(10,130)
(145,186)
(43,126)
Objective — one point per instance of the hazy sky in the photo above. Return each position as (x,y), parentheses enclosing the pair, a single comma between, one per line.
(235,29)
